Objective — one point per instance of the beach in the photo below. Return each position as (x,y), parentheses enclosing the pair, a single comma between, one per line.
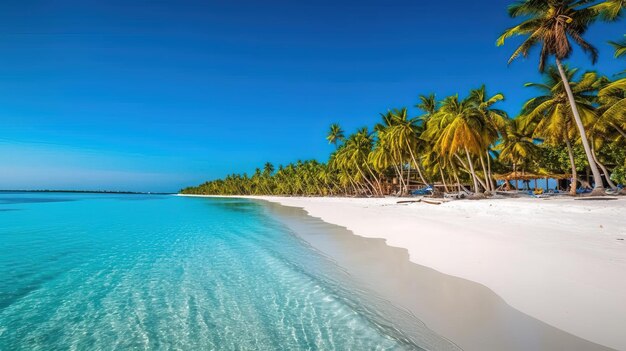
(561,261)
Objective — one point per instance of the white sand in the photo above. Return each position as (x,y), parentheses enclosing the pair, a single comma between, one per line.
(557,260)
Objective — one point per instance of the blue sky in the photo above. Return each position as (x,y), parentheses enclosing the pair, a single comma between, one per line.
(156,95)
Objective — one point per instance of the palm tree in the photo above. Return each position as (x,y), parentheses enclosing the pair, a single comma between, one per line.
(552,24)
(358,147)
(458,127)
(383,156)
(335,134)
(496,119)
(404,134)
(550,114)
(517,146)
(268,168)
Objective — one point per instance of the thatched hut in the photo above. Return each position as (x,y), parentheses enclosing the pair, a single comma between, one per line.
(528,176)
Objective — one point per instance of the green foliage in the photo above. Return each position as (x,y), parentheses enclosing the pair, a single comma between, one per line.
(619,175)
(555,159)
(301,178)
(463,140)
(614,156)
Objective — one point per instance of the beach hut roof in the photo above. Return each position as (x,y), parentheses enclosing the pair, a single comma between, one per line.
(530,176)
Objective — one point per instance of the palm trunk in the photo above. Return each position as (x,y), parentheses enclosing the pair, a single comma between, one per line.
(458,182)
(463,165)
(417,166)
(619,130)
(380,187)
(408,179)
(491,181)
(598,187)
(402,185)
(487,182)
(352,181)
(367,180)
(398,171)
(456,177)
(469,171)
(572,189)
(443,180)
(471,166)
(607,176)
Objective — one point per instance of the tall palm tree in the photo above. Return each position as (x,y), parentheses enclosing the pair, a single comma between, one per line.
(335,134)
(550,114)
(552,24)
(495,118)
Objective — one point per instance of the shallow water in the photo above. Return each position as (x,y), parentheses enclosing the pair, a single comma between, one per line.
(101,272)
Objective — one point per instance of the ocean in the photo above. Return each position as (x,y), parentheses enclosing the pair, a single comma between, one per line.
(160,272)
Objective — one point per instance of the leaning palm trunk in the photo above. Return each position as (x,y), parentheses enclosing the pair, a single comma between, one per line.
(456,177)
(443,180)
(598,187)
(417,166)
(408,179)
(399,172)
(470,170)
(487,181)
(471,167)
(371,185)
(607,176)
(401,177)
(491,181)
(353,182)
(458,182)
(570,152)
(380,187)
(398,166)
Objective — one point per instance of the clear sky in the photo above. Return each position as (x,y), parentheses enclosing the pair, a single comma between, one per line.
(156,95)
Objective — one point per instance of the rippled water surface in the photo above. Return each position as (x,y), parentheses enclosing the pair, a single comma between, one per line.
(100,272)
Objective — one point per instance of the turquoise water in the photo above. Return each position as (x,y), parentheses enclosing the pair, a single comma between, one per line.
(102,272)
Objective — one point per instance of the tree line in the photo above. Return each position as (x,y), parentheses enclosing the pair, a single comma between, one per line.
(576,122)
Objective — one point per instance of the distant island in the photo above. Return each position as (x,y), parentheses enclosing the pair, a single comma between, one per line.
(85,192)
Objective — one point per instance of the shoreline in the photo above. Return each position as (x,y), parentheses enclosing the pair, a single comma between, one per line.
(560,261)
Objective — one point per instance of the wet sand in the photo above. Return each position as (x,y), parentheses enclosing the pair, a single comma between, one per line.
(464,312)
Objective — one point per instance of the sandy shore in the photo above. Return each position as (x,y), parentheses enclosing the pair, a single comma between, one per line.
(562,261)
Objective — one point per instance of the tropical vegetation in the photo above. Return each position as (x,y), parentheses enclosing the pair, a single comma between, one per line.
(574,127)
